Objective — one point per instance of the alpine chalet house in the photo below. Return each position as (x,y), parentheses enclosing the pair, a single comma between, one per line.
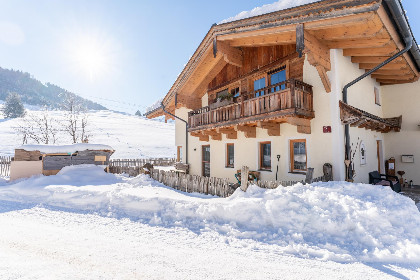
(328,82)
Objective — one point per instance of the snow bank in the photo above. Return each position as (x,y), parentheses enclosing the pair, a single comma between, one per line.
(269,8)
(328,221)
(69,149)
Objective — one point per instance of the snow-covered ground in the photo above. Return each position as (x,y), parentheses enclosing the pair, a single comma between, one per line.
(84,223)
(131,136)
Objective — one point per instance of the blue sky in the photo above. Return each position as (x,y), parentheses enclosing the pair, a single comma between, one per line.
(126,51)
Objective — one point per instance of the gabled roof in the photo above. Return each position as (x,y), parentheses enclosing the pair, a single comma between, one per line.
(366,30)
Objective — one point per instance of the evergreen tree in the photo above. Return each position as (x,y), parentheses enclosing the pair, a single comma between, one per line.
(138,113)
(13,108)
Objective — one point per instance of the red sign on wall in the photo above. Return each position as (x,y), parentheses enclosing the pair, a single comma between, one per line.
(326,129)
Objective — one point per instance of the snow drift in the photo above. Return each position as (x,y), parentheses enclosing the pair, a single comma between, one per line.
(329,221)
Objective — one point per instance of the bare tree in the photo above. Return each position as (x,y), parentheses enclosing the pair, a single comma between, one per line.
(76,119)
(40,128)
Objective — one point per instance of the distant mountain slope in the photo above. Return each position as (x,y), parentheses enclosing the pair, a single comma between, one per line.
(34,92)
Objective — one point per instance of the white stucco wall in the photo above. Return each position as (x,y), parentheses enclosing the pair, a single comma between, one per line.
(404,100)
(361,95)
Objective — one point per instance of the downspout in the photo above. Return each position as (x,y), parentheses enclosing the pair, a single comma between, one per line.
(186,130)
(399,16)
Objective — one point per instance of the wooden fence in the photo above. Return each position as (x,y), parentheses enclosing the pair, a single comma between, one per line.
(5,165)
(211,185)
(193,183)
(133,167)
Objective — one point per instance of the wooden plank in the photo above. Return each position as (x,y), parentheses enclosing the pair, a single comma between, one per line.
(356,43)
(391,66)
(374,59)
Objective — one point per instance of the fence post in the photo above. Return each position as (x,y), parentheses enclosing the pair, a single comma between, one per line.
(244,178)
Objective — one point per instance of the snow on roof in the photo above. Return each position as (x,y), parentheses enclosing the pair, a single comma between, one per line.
(65,149)
(268,8)
(155,105)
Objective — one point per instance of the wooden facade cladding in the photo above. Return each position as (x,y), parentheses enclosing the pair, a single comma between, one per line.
(293,104)
(362,119)
(256,58)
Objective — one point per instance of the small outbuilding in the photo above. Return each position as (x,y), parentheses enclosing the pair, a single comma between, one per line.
(32,160)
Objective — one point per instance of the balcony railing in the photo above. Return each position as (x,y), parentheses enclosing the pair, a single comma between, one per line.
(291,97)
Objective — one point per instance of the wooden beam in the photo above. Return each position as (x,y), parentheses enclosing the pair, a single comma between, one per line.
(393,72)
(390,66)
(200,135)
(286,38)
(393,77)
(201,89)
(394,34)
(213,134)
(273,129)
(249,131)
(318,56)
(386,50)
(356,43)
(395,82)
(374,59)
(318,53)
(324,78)
(231,55)
(303,125)
(304,129)
(363,29)
(230,132)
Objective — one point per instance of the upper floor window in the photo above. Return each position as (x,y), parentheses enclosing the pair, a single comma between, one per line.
(298,155)
(235,92)
(259,84)
(278,77)
(376,92)
(265,155)
(221,94)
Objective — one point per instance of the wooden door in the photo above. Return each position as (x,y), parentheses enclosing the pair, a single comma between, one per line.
(206,160)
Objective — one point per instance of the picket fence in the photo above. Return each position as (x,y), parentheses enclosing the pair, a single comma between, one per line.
(134,167)
(193,183)
(5,165)
(211,185)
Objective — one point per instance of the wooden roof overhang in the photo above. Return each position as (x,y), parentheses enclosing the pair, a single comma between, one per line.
(362,28)
(362,119)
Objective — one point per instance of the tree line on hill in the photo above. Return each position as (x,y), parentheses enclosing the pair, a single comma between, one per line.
(33,92)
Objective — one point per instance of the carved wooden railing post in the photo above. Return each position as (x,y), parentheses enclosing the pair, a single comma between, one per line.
(292,93)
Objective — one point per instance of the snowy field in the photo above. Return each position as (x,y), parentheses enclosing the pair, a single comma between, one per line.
(114,227)
(131,136)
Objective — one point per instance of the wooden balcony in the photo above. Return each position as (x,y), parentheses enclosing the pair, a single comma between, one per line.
(288,101)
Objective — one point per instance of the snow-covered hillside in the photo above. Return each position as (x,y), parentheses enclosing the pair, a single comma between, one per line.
(131,136)
(84,223)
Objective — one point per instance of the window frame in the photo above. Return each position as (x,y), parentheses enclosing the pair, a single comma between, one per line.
(179,153)
(259,77)
(261,161)
(377,94)
(292,151)
(204,161)
(277,70)
(228,165)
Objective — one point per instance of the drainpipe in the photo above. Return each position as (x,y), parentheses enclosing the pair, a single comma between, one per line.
(399,16)
(186,130)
